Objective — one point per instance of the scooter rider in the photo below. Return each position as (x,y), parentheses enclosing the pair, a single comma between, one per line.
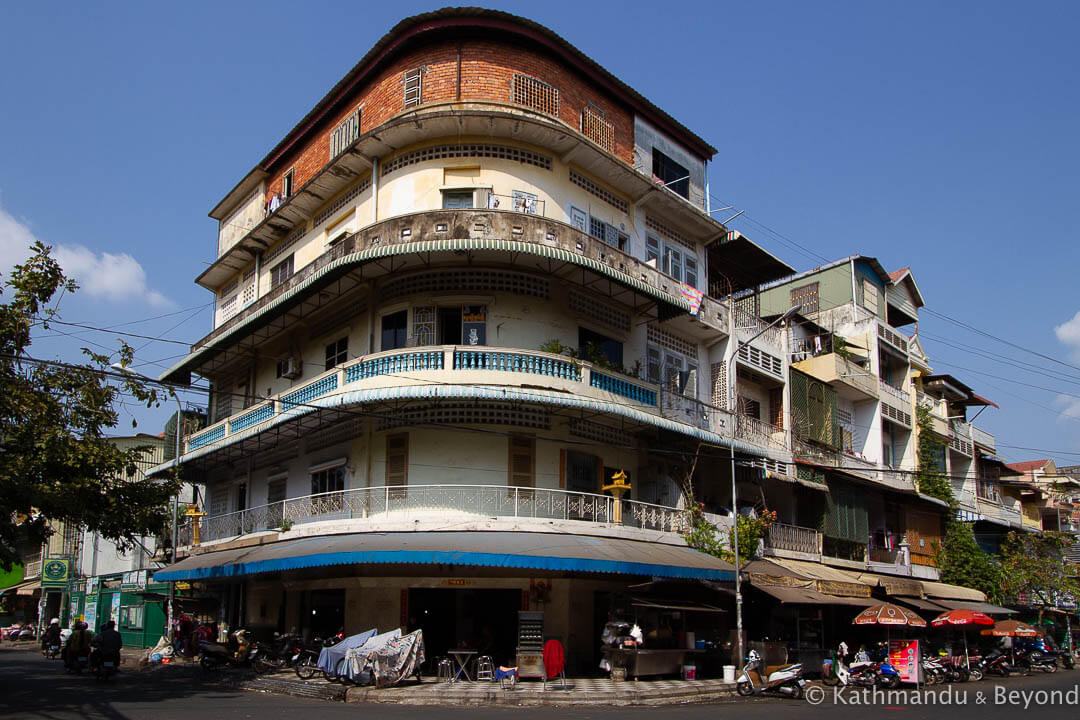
(109,642)
(51,636)
(78,645)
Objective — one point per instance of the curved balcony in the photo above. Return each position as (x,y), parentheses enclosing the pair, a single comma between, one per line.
(487,373)
(406,506)
(497,236)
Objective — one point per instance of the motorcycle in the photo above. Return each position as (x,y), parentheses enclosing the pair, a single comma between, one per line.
(101,665)
(214,655)
(279,655)
(305,662)
(862,674)
(52,650)
(1036,660)
(787,680)
(997,663)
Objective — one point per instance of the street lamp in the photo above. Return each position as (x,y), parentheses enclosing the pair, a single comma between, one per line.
(169,632)
(734,502)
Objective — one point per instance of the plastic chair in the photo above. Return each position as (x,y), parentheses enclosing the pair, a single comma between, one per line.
(485,668)
(445,670)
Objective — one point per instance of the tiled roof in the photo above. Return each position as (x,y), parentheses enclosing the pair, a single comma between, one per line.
(898,275)
(1027,465)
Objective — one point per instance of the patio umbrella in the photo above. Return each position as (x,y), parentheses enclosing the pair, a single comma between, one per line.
(962,618)
(888,614)
(1011,628)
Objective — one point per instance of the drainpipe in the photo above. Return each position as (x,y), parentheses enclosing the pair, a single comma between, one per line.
(854,294)
(374,190)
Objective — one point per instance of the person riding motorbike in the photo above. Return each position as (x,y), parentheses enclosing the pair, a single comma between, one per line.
(107,643)
(51,637)
(78,645)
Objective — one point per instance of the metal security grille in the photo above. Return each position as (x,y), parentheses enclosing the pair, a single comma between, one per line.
(413,84)
(807,296)
(487,281)
(345,133)
(341,202)
(229,289)
(671,342)
(896,415)
(537,94)
(666,232)
(599,311)
(467,414)
(769,363)
(719,385)
(596,128)
(606,195)
(467,150)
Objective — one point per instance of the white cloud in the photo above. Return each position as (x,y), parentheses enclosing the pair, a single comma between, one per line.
(104,276)
(1068,333)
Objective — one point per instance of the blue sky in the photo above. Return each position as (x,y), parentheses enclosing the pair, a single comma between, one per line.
(937,137)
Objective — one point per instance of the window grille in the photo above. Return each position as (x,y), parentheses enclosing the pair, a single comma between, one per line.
(719,385)
(229,289)
(413,82)
(596,128)
(671,342)
(537,94)
(599,311)
(485,281)
(227,308)
(424,325)
(347,131)
(341,202)
(467,150)
(281,272)
(807,296)
(606,195)
(467,414)
(286,244)
(598,432)
(667,233)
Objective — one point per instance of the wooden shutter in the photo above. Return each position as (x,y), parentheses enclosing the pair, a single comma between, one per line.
(522,462)
(776,407)
(397,459)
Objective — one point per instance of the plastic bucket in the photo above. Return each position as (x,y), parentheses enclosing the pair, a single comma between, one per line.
(729,673)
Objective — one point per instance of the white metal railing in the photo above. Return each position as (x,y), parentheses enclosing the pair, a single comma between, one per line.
(794,538)
(759,432)
(903,395)
(749,325)
(401,502)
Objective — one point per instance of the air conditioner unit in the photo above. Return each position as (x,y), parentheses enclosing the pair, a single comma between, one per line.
(291,368)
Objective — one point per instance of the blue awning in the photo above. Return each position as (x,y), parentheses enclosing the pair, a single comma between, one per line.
(525,550)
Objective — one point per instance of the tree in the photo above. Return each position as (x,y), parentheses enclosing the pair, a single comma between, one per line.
(1033,564)
(929,479)
(961,561)
(56,463)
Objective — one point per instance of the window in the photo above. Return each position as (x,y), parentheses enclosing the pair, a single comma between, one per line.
(807,296)
(397,459)
(608,233)
(672,260)
(670,174)
(537,94)
(596,128)
(413,82)
(582,472)
(671,370)
(393,330)
(287,184)
(455,199)
(522,462)
(870,296)
(241,497)
(337,353)
(328,480)
(592,343)
(275,498)
(579,218)
(344,134)
(749,407)
(281,272)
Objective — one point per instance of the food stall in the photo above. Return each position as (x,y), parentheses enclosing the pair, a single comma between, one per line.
(660,640)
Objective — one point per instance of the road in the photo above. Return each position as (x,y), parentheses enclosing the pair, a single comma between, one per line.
(32,687)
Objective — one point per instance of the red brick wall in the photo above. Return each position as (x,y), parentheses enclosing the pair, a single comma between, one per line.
(487,70)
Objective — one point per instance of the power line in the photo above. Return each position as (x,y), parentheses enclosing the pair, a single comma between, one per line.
(1000,340)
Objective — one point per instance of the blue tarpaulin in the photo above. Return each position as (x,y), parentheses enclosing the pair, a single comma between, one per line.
(332,659)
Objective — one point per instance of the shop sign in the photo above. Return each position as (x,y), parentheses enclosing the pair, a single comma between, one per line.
(182,585)
(133,580)
(114,610)
(54,573)
(92,585)
(904,656)
(90,613)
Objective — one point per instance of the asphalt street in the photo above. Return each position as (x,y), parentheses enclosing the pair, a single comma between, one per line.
(32,687)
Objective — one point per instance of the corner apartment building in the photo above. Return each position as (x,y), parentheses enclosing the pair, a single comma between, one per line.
(474,283)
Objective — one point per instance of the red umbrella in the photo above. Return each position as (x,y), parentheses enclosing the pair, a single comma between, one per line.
(962,617)
(888,614)
(1012,628)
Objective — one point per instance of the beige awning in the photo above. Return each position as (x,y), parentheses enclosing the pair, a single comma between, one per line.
(830,580)
(893,585)
(807,596)
(951,592)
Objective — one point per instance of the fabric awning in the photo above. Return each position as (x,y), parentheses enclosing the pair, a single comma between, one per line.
(921,604)
(808,596)
(893,585)
(684,605)
(980,606)
(945,591)
(29,587)
(827,579)
(525,550)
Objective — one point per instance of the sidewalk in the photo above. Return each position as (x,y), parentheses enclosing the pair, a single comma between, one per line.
(581,691)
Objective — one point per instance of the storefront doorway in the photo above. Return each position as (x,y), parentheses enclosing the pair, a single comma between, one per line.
(481,620)
(323,612)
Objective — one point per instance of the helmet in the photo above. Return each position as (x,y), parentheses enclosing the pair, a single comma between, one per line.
(54,621)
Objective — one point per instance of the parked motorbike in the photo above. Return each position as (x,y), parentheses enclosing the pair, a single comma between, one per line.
(305,662)
(861,674)
(997,663)
(278,655)
(1036,660)
(787,680)
(214,655)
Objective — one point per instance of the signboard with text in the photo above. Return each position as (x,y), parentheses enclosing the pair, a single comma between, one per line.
(54,573)
(904,656)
